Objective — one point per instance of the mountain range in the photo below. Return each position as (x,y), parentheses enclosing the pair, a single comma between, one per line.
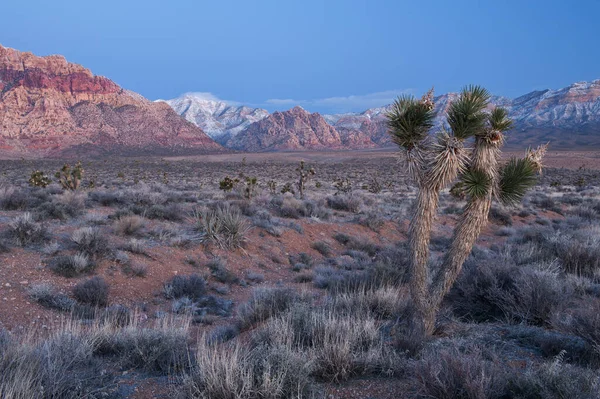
(51,107)
(567,117)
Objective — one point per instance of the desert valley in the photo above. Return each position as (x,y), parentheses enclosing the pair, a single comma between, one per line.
(197,248)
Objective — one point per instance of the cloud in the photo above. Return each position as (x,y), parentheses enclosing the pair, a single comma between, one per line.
(352,103)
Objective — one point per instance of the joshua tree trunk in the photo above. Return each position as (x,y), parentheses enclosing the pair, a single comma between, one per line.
(419,236)
(484,160)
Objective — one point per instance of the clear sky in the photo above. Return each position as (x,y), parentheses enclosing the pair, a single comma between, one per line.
(328,55)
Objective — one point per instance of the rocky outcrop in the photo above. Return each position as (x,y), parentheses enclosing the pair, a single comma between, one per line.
(49,106)
(294,129)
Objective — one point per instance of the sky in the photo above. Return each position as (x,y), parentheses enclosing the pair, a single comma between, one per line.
(327,56)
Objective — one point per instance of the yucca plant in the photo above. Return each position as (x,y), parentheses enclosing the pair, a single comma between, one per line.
(70,178)
(436,161)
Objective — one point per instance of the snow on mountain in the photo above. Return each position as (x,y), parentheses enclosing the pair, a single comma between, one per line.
(219,119)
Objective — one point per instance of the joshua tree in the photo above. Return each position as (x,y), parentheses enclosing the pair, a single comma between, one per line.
(435,162)
(70,178)
(303,175)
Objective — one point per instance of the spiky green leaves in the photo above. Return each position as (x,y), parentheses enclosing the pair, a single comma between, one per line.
(409,121)
(448,159)
(476,183)
(499,120)
(465,116)
(516,177)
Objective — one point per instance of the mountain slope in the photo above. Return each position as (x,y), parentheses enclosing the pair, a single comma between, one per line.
(49,106)
(294,129)
(568,117)
(219,120)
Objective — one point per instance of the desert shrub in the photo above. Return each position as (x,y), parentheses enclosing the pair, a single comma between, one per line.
(289,207)
(322,247)
(135,269)
(224,226)
(68,204)
(219,271)
(116,316)
(583,321)
(160,349)
(372,220)
(90,241)
(171,212)
(92,292)
(62,366)
(552,343)
(255,277)
(264,304)
(340,346)
(192,286)
(129,225)
(264,220)
(331,278)
(51,248)
(4,247)
(500,216)
(223,334)
(46,295)
(579,254)
(494,290)
(505,232)
(71,265)
(135,246)
(357,243)
(577,251)
(107,198)
(378,302)
(25,231)
(552,380)
(235,370)
(55,210)
(12,198)
(448,373)
(344,202)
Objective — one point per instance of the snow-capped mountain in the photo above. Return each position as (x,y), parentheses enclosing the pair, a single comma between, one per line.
(219,119)
(568,117)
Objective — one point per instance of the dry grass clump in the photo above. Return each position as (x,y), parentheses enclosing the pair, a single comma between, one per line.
(72,362)
(498,291)
(129,225)
(237,371)
(47,296)
(25,230)
(224,226)
(264,304)
(92,292)
(91,242)
(71,265)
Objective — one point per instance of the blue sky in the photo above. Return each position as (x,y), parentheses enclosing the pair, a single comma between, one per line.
(328,55)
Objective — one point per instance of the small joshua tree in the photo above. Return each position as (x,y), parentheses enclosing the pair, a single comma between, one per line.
(435,162)
(272,185)
(304,174)
(70,178)
(227,184)
(250,189)
(39,179)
